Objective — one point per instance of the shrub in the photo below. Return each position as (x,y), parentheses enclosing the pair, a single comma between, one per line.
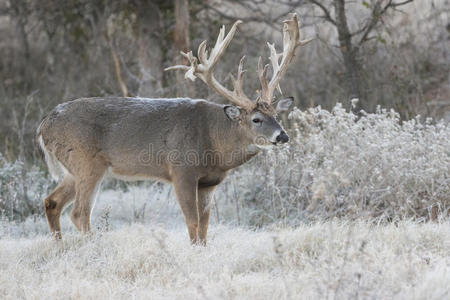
(336,166)
(22,190)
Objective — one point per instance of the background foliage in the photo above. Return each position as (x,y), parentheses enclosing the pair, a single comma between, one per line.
(392,54)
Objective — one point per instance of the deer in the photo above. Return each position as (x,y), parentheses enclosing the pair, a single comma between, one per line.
(191,143)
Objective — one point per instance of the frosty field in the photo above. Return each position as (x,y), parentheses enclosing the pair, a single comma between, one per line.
(140,250)
(331,260)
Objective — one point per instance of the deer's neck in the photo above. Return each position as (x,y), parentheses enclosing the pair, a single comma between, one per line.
(231,142)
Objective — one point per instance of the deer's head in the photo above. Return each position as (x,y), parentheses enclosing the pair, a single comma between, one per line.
(257,117)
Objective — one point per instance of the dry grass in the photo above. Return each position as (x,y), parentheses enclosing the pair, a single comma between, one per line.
(325,260)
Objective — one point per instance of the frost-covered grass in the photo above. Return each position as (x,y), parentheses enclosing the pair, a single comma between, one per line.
(377,167)
(152,204)
(330,260)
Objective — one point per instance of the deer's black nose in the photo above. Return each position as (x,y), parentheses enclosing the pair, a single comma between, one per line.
(282,137)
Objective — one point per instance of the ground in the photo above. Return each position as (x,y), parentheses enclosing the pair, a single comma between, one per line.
(328,260)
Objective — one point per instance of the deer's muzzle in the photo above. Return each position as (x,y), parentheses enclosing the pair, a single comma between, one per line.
(282,138)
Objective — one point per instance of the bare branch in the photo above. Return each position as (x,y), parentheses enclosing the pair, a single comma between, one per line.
(117,68)
(377,12)
(401,3)
(327,15)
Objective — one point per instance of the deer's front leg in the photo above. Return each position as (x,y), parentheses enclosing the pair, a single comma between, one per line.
(185,185)
(205,196)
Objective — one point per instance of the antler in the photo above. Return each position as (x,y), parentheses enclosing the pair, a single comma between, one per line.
(205,69)
(291,40)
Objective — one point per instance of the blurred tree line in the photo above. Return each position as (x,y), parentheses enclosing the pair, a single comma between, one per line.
(392,53)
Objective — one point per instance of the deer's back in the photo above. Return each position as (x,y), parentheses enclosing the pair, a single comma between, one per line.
(128,133)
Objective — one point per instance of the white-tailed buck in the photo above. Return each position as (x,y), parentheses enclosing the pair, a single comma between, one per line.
(191,143)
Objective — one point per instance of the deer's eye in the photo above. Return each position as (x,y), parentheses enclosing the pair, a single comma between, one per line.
(257,120)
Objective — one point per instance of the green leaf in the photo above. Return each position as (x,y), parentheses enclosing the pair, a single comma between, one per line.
(382,40)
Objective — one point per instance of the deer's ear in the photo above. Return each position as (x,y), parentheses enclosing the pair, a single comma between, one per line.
(284,104)
(232,112)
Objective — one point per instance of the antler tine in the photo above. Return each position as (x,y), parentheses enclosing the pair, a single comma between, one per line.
(291,40)
(205,69)
(222,43)
(190,70)
(238,83)
(262,73)
(202,53)
(274,59)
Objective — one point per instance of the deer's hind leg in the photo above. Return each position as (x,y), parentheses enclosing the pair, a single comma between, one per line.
(54,204)
(87,187)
